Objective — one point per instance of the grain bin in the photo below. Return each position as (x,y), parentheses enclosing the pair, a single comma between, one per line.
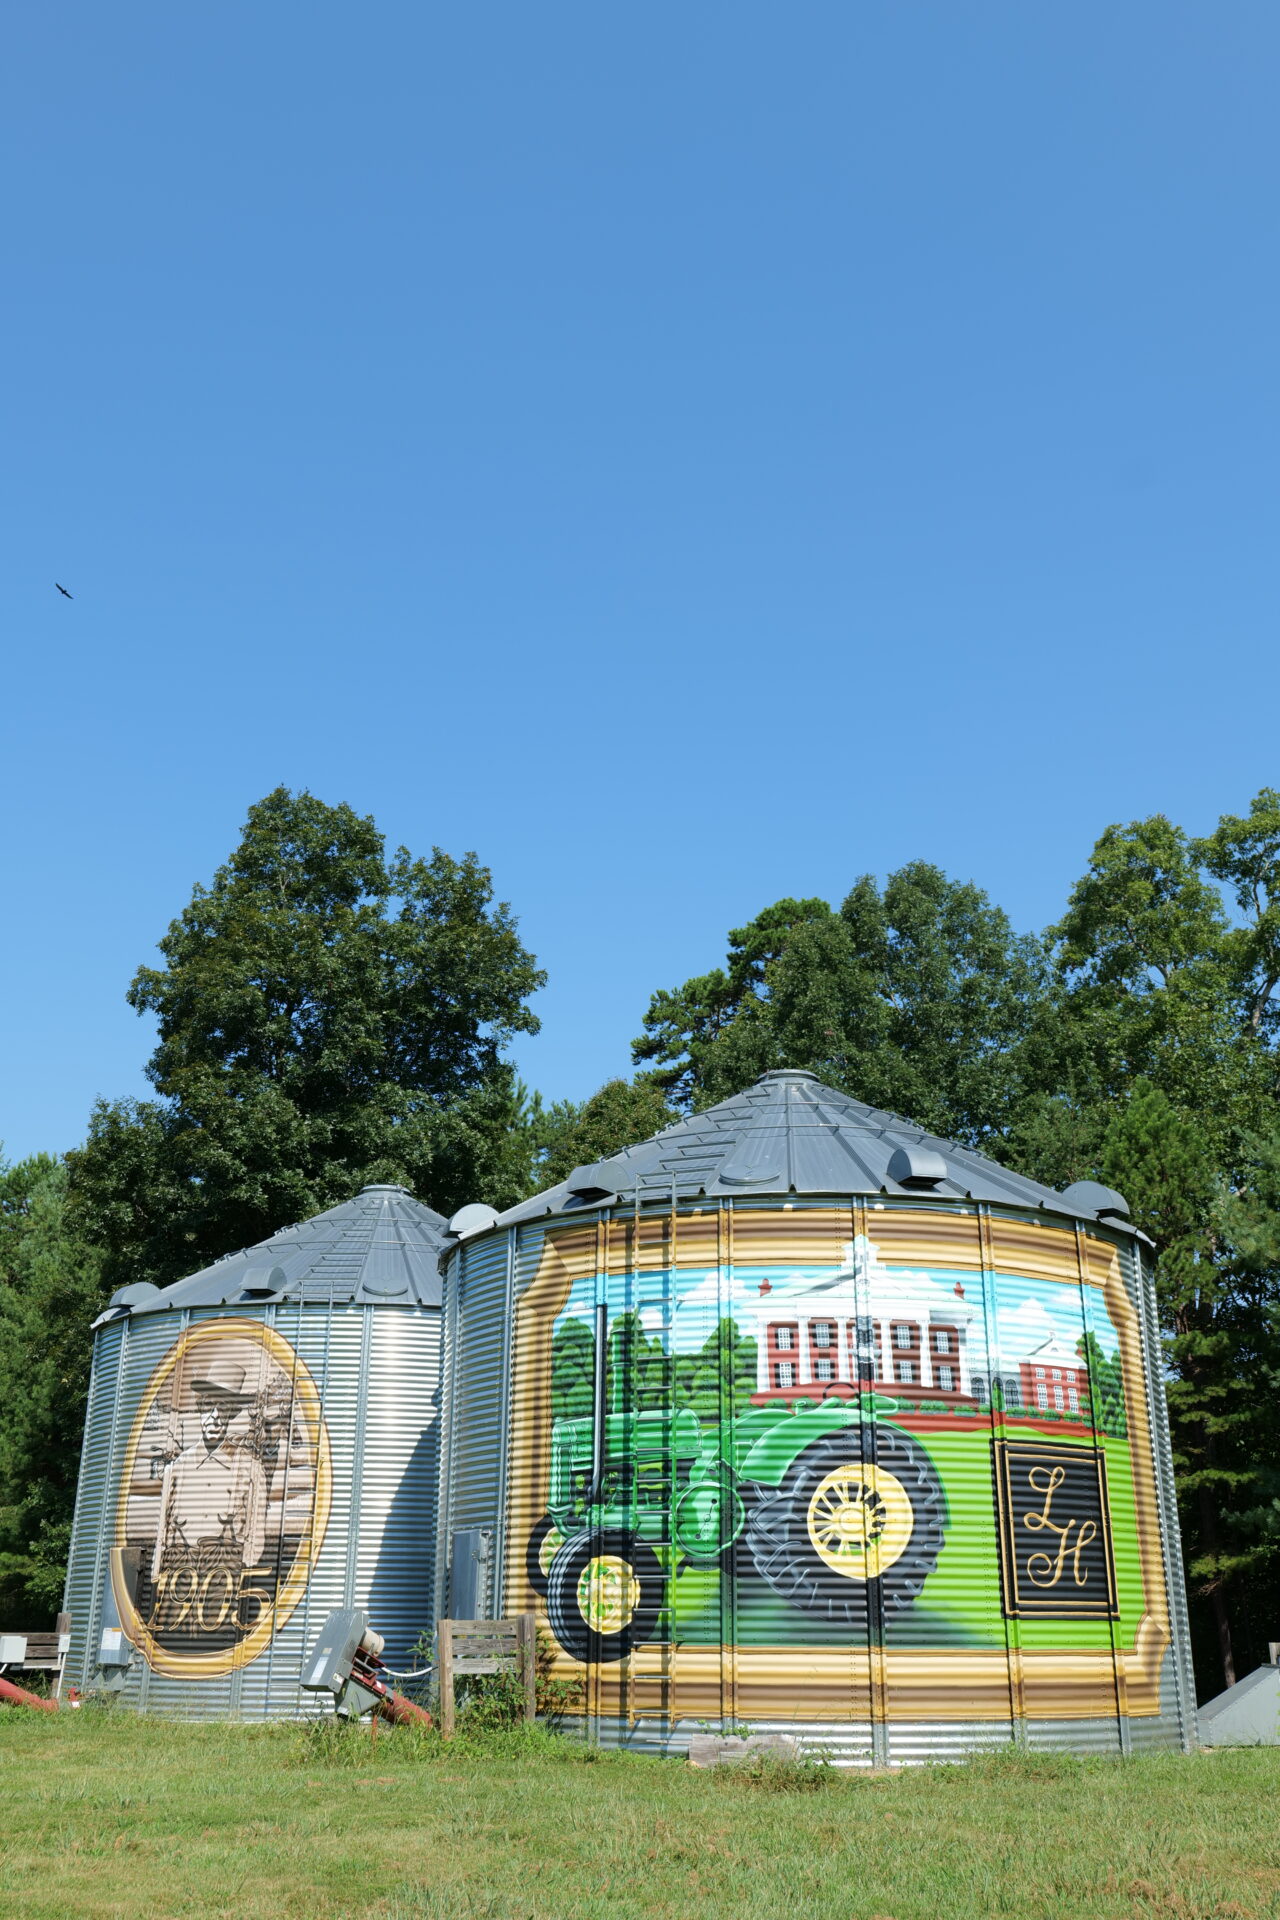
(261,1446)
(798,1418)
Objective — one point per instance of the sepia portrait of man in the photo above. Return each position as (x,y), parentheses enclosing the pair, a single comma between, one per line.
(213,1502)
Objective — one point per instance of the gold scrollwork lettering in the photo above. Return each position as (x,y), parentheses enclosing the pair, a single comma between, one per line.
(1043,1569)
(1087,1533)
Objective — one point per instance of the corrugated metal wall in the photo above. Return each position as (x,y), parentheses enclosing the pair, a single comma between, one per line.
(507,1290)
(477,1355)
(86,1566)
(1178,1690)
(377,1371)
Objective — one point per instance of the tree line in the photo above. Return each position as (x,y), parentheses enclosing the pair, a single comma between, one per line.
(328,1013)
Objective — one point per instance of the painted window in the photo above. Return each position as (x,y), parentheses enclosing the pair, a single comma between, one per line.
(947,1379)
(1042,1396)
(1057,1396)
(1039,1373)
(785,1374)
(1074,1399)
(903,1337)
(824,1369)
(905,1371)
(1057,1373)
(824,1334)
(942,1341)
(785,1339)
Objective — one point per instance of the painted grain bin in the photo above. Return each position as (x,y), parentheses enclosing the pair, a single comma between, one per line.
(261,1446)
(796,1417)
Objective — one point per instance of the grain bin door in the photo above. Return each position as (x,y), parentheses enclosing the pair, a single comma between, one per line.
(471,1574)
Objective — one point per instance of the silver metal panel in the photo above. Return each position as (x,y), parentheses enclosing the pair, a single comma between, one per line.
(143,1347)
(471,1570)
(477,1340)
(914,1741)
(1182,1704)
(1074,1736)
(83,1566)
(911,1743)
(395,1558)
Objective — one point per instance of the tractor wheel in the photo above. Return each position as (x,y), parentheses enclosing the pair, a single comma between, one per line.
(858,1519)
(604,1595)
(545,1543)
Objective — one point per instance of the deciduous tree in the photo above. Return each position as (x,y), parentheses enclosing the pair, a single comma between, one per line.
(325,1017)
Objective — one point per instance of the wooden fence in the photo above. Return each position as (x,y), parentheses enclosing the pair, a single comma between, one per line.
(486,1646)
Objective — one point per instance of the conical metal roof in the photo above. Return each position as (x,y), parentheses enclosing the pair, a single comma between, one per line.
(382,1247)
(791,1134)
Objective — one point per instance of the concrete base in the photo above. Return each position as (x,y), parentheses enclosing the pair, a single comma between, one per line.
(720,1749)
(1246,1715)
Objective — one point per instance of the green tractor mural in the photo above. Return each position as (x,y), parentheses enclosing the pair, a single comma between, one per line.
(841,1512)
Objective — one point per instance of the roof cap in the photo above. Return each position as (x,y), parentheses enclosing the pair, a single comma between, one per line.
(382,1245)
(790,1133)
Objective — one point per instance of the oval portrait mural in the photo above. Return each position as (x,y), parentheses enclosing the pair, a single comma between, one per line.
(224,1499)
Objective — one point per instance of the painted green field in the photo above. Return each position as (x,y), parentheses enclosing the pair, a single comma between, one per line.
(115,1816)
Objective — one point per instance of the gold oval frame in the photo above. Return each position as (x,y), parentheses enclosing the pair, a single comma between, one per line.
(209,1666)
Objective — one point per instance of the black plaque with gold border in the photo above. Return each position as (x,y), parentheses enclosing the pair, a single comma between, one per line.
(1054,1525)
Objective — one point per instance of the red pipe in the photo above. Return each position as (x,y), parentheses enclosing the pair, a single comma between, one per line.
(21,1698)
(405,1713)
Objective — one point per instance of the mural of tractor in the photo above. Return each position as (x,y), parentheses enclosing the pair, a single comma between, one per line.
(817,1446)
(840,1511)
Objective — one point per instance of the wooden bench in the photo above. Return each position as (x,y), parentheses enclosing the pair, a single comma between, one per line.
(38,1652)
(486,1646)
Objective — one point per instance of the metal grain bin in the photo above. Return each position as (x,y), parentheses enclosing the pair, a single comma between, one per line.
(796,1417)
(261,1446)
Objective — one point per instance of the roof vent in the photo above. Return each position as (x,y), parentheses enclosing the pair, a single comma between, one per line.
(916,1167)
(476,1218)
(133,1296)
(596,1182)
(1090,1196)
(261,1282)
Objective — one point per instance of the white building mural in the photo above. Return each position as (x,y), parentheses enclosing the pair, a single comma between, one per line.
(886,1327)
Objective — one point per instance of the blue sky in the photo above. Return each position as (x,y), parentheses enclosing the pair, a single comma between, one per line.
(688,455)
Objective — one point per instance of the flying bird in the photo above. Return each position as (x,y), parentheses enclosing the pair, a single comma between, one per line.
(61,589)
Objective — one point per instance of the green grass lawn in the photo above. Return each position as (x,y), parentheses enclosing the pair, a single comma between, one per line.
(108,1814)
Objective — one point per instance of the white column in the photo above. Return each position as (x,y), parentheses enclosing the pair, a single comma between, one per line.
(926,1357)
(962,1358)
(804,1366)
(763,1382)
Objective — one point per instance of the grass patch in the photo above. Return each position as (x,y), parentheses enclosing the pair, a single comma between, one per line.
(106,1814)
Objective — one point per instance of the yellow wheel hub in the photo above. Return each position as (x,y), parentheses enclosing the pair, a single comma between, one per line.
(552,1541)
(608,1593)
(860,1521)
